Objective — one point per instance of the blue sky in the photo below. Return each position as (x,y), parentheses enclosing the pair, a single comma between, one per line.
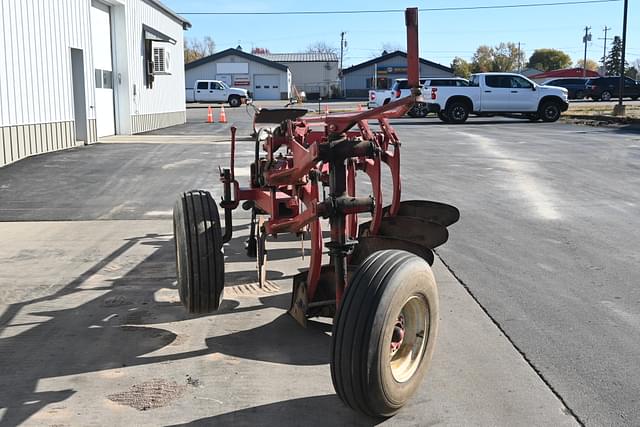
(443,34)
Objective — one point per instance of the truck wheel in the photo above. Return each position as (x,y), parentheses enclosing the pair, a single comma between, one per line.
(549,111)
(442,115)
(384,332)
(234,101)
(419,110)
(457,112)
(605,96)
(199,257)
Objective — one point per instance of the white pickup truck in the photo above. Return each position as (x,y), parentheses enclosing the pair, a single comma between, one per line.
(401,89)
(216,91)
(378,98)
(494,94)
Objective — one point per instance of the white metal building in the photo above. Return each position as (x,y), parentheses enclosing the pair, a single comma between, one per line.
(314,73)
(77,70)
(264,79)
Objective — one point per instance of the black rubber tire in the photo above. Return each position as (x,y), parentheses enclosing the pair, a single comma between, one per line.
(199,256)
(419,110)
(605,96)
(363,327)
(457,112)
(442,115)
(549,111)
(234,101)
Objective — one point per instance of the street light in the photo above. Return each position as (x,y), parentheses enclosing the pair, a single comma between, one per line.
(619,109)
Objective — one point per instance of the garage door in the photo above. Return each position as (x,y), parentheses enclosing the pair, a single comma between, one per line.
(266,86)
(101,43)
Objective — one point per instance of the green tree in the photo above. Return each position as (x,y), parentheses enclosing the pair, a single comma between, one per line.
(461,68)
(503,57)
(612,62)
(549,59)
(507,57)
(482,60)
(591,64)
(195,49)
(632,73)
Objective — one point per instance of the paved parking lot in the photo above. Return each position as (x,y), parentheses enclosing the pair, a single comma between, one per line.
(91,330)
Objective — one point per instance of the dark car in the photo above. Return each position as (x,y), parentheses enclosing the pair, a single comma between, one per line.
(577,87)
(605,88)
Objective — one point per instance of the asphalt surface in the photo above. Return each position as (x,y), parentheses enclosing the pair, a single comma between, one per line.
(547,242)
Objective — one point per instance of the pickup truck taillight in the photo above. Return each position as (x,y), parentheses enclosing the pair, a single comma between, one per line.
(397,93)
(372,96)
(434,92)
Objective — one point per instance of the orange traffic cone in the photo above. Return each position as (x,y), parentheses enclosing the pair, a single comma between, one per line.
(210,115)
(359,107)
(326,108)
(223,116)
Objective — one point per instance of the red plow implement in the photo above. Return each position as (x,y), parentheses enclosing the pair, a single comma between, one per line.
(378,285)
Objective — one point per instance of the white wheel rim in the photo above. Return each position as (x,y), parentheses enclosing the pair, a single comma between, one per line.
(409,336)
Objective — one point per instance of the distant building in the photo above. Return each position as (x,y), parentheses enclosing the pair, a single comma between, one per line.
(359,78)
(530,71)
(567,72)
(264,79)
(314,73)
(72,72)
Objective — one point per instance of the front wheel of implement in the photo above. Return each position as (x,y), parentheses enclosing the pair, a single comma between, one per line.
(384,332)
(199,256)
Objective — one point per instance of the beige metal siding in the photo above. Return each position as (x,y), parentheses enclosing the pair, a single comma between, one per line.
(36,93)
(146,122)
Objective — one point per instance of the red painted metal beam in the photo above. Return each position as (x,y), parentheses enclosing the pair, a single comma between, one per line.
(413,63)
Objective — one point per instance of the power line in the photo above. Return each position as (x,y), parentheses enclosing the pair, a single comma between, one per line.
(431,9)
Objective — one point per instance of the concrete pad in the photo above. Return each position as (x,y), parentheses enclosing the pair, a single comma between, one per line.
(92,333)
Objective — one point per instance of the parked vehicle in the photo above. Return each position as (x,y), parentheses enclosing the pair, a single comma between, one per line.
(577,87)
(606,88)
(216,91)
(497,93)
(378,98)
(401,89)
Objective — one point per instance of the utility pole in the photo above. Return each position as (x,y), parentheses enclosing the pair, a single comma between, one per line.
(619,109)
(604,53)
(586,39)
(342,44)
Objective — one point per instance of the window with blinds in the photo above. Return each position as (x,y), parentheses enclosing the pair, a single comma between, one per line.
(160,60)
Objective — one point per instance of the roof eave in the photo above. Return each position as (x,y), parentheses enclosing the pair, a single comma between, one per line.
(170,13)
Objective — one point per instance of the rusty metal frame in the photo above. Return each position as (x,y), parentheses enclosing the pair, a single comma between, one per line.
(306,152)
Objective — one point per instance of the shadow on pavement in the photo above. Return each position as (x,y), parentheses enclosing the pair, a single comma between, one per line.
(473,121)
(99,322)
(307,411)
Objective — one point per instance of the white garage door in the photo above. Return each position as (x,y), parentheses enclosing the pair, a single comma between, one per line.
(101,43)
(266,86)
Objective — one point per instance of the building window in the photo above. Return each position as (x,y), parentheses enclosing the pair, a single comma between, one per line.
(107,79)
(160,60)
(98,78)
(382,84)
